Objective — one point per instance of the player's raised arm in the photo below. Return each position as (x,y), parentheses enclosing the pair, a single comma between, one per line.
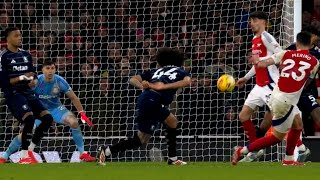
(274,59)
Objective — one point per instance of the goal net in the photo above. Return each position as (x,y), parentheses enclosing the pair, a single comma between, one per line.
(98,45)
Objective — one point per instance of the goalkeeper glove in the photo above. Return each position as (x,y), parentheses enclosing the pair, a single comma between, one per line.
(85,119)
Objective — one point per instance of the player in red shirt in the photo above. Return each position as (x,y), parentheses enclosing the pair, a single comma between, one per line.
(264,46)
(296,67)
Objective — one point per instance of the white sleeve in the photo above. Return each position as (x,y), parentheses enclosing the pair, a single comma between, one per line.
(278,57)
(270,43)
(314,70)
(251,73)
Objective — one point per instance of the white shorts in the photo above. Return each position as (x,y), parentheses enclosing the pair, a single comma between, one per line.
(258,96)
(283,114)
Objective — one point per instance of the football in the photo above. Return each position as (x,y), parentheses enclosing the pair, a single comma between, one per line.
(226,83)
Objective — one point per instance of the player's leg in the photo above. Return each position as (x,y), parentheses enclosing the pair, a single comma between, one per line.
(293,137)
(260,132)
(171,137)
(46,121)
(309,107)
(283,116)
(139,139)
(149,108)
(62,115)
(15,144)
(252,102)
(22,111)
(13,147)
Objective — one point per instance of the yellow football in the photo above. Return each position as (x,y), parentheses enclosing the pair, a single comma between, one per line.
(226,83)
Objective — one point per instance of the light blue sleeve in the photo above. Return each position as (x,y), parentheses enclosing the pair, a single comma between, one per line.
(64,86)
(36,88)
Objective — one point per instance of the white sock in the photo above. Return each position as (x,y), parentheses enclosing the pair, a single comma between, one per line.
(289,158)
(31,146)
(173,158)
(244,150)
(302,147)
(107,151)
(24,154)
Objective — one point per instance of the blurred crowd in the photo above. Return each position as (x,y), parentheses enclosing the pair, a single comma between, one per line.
(98,45)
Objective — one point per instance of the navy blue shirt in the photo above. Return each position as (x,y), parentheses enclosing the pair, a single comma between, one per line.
(312,88)
(13,65)
(166,75)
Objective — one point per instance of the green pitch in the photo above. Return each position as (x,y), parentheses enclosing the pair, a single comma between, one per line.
(158,171)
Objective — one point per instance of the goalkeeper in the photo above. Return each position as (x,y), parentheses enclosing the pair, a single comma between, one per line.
(48,89)
(159,87)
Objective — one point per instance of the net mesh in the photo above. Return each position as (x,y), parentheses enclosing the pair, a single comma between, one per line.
(98,45)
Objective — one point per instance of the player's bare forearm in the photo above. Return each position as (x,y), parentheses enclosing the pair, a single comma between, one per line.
(14,81)
(136,81)
(176,85)
(265,63)
(27,76)
(75,101)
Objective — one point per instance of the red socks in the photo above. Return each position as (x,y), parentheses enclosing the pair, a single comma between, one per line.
(292,140)
(249,130)
(263,143)
(299,143)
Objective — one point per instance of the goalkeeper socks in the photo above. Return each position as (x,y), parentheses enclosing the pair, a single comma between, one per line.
(249,130)
(13,147)
(171,136)
(78,139)
(129,143)
(27,131)
(292,139)
(263,143)
(260,133)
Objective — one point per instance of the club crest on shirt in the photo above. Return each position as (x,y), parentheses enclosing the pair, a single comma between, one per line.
(55,89)
(25,59)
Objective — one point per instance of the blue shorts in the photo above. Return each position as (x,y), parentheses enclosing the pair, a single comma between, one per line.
(59,114)
(150,111)
(19,104)
(307,103)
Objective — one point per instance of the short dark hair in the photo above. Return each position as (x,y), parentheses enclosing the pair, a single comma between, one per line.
(304,38)
(47,62)
(259,15)
(167,56)
(9,30)
(312,30)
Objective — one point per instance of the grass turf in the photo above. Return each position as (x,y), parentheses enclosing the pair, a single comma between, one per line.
(158,171)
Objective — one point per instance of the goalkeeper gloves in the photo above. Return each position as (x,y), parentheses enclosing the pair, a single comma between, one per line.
(85,119)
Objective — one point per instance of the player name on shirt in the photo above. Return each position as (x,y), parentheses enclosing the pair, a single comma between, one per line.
(300,55)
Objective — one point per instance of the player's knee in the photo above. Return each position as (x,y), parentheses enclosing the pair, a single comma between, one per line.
(72,122)
(143,138)
(297,122)
(44,113)
(27,114)
(244,115)
(171,121)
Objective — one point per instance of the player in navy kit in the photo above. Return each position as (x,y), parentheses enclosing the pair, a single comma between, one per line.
(159,88)
(17,74)
(48,89)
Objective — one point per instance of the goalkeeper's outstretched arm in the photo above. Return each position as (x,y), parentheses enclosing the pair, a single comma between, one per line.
(75,100)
